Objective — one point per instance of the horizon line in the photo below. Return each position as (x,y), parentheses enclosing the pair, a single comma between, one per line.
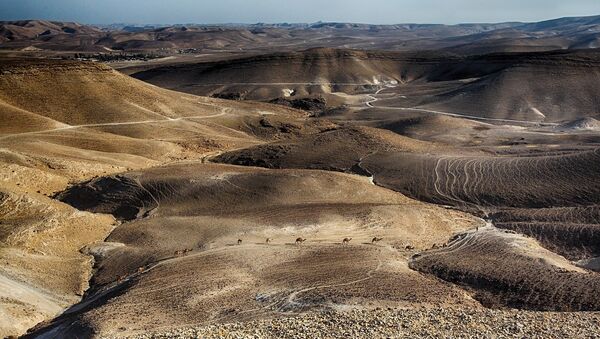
(300,23)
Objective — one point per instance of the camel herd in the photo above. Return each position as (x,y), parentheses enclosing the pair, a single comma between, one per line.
(182,252)
(301,240)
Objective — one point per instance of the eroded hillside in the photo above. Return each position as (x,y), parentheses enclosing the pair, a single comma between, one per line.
(69,121)
(435,182)
(503,87)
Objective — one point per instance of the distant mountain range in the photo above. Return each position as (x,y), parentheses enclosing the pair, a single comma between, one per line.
(476,38)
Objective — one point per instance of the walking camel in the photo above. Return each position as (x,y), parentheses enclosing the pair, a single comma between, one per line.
(299,240)
(376,240)
(239,241)
(346,241)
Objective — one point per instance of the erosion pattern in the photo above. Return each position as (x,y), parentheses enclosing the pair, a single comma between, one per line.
(517,275)
(539,195)
(68,122)
(533,181)
(510,86)
(514,192)
(188,242)
(437,180)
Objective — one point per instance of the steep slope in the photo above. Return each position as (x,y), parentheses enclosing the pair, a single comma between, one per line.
(528,92)
(340,150)
(42,271)
(76,93)
(519,181)
(63,103)
(320,70)
(510,270)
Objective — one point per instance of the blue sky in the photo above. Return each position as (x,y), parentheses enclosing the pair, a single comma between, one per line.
(252,11)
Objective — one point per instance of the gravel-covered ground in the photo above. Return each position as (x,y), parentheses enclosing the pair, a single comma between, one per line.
(404,323)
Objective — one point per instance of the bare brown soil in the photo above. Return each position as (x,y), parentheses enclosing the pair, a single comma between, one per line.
(72,121)
(183,260)
(499,86)
(506,269)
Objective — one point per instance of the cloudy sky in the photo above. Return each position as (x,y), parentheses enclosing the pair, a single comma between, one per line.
(270,11)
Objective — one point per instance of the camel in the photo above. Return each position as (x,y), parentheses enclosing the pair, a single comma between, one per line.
(346,241)
(376,240)
(183,252)
(299,240)
(239,241)
(409,248)
(268,240)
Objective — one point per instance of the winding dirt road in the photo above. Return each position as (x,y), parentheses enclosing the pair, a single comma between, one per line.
(70,127)
(374,99)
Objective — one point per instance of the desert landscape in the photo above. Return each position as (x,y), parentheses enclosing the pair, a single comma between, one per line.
(300,180)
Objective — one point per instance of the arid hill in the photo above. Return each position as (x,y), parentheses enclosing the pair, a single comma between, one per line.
(314,71)
(508,270)
(481,38)
(39,29)
(527,88)
(34,37)
(434,180)
(70,121)
(539,195)
(517,86)
(185,236)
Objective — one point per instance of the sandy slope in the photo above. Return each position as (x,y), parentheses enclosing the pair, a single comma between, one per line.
(502,87)
(539,194)
(128,154)
(72,121)
(206,208)
(512,270)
